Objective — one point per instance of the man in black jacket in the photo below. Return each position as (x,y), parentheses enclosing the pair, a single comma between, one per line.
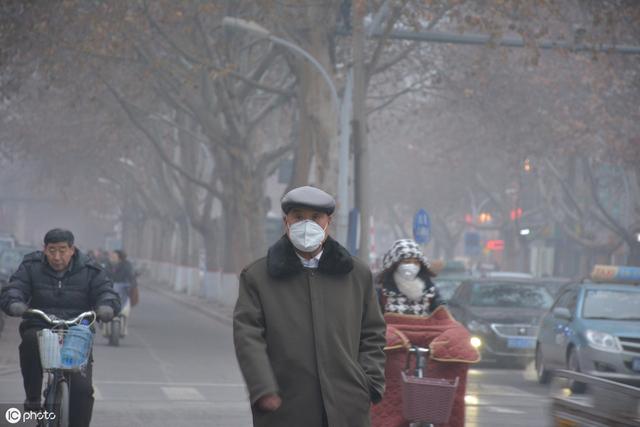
(64,282)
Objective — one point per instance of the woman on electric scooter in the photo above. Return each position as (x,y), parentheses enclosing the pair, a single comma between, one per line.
(123,276)
(416,315)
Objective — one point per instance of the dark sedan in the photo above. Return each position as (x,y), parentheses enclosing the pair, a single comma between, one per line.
(502,314)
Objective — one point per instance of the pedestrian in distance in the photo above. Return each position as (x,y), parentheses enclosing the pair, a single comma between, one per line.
(64,282)
(308,330)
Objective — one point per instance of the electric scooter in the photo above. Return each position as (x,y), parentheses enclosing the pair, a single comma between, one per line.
(117,328)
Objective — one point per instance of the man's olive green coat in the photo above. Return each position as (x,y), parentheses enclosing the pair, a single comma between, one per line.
(314,336)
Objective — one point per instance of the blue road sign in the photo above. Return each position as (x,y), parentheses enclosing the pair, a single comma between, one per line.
(422,227)
(472,244)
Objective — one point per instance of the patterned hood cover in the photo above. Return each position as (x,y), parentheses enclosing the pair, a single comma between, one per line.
(403,249)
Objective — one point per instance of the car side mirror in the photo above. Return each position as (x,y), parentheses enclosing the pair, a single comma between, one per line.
(562,313)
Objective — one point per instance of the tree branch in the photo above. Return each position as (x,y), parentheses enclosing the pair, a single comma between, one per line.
(614,225)
(127,107)
(372,66)
(397,10)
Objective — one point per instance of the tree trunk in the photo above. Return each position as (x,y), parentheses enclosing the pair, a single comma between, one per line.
(634,255)
(318,114)
(244,218)
(512,253)
(211,249)
(184,247)
(303,151)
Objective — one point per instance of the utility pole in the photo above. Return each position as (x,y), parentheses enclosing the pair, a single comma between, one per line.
(361,157)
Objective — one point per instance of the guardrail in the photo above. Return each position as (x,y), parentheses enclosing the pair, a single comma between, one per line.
(605,403)
(211,285)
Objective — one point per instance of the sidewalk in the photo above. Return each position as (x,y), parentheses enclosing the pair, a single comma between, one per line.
(212,309)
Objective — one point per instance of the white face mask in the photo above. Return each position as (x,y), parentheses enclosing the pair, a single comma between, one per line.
(408,271)
(307,235)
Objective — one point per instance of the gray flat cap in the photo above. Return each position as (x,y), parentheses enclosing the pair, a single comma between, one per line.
(308,197)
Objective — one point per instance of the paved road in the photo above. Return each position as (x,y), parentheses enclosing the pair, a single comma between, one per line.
(177,368)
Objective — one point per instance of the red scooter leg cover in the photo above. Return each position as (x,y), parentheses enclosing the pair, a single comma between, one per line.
(451,355)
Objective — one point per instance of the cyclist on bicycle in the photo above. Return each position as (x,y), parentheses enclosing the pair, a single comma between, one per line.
(64,282)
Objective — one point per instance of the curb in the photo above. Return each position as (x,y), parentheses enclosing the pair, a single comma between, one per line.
(198,306)
(9,371)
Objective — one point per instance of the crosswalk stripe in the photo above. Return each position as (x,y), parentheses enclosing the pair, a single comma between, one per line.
(182,393)
(497,390)
(500,410)
(168,384)
(97,395)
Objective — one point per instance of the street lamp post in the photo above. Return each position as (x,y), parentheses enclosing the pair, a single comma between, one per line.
(343,173)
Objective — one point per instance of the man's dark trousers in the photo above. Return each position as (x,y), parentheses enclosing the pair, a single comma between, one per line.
(80,387)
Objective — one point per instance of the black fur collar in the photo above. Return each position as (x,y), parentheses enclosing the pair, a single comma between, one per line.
(282,260)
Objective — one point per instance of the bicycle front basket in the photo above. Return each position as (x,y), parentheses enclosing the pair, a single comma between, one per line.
(427,399)
(49,345)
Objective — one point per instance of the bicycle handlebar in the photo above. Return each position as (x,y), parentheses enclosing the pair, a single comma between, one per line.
(57,322)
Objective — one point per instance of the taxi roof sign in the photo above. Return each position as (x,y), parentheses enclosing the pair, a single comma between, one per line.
(615,273)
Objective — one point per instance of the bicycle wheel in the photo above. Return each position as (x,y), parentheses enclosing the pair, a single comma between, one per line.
(57,402)
(62,400)
(114,338)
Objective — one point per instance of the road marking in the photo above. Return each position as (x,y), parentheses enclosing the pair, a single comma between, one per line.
(500,410)
(497,390)
(171,384)
(97,395)
(182,393)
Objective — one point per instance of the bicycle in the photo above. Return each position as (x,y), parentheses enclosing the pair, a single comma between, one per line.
(56,392)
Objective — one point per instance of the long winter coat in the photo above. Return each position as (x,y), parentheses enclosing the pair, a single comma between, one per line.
(314,336)
(84,287)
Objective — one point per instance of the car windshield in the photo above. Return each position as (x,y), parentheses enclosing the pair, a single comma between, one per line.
(514,295)
(446,288)
(554,287)
(612,304)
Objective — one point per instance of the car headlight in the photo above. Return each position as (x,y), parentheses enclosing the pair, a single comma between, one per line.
(475,326)
(476,342)
(603,341)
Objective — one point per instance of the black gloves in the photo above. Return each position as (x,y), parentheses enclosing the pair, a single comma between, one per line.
(105,313)
(17,309)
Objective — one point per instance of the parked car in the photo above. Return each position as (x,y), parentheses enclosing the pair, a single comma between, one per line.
(507,275)
(554,284)
(593,327)
(503,315)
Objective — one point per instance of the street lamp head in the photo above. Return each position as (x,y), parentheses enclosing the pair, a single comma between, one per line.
(248,26)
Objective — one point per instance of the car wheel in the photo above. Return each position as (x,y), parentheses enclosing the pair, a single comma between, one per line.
(544,376)
(573,364)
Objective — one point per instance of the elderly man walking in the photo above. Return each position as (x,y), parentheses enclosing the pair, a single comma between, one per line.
(308,331)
